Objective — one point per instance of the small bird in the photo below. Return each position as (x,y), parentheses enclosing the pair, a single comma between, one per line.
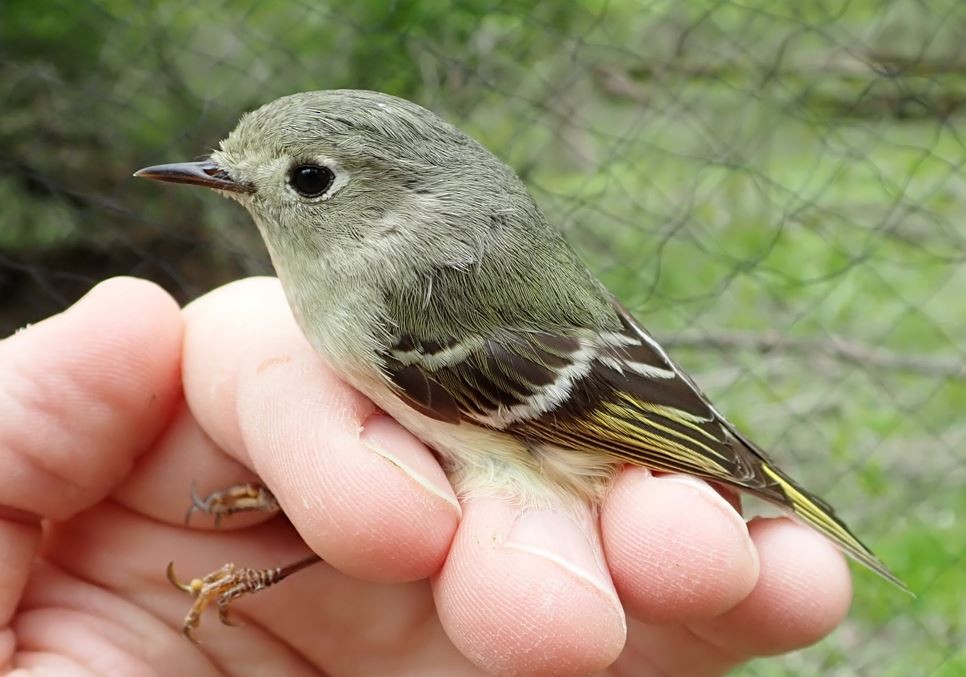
(419,266)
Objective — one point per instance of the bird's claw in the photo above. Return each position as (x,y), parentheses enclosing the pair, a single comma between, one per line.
(222,587)
(248,497)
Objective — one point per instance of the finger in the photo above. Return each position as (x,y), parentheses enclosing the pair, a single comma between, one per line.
(84,393)
(803,592)
(319,615)
(678,551)
(364,493)
(184,458)
(377,625)
(527,591)
(18,542)
(113,550)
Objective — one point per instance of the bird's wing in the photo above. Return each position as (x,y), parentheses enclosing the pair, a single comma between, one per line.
(613,391)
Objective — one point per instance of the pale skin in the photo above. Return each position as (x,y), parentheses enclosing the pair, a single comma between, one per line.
(109,412)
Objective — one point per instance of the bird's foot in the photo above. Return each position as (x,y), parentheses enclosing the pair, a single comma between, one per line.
(226,584)
(249,497)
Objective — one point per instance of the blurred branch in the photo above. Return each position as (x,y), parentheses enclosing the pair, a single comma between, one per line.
(838,65)
(835,347)
(854,86)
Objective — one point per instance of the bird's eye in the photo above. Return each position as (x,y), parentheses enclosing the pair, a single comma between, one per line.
(311,180)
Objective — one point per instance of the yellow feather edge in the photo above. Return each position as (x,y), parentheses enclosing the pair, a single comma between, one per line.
(661,448)
(817,517)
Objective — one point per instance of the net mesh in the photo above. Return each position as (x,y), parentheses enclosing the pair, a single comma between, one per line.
(775,188)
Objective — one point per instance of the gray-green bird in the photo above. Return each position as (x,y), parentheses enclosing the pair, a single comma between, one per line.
(420,267)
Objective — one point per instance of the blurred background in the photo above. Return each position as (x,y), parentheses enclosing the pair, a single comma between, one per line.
(776,188)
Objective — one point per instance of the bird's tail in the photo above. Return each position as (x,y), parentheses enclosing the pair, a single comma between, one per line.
(818,514)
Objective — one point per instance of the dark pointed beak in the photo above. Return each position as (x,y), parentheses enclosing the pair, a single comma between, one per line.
(204,173)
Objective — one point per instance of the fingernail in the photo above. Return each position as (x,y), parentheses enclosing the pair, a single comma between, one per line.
(555,536)
(386,438)
(719,501)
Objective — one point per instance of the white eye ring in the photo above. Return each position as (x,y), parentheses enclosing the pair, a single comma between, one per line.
(316,181)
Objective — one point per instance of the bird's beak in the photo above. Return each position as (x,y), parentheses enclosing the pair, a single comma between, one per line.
(205,173)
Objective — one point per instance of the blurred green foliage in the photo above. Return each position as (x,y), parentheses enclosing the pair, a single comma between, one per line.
(763,181)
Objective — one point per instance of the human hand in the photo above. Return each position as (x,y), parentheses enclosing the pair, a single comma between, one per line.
(111,410)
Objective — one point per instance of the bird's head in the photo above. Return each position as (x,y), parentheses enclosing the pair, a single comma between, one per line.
(350,179)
